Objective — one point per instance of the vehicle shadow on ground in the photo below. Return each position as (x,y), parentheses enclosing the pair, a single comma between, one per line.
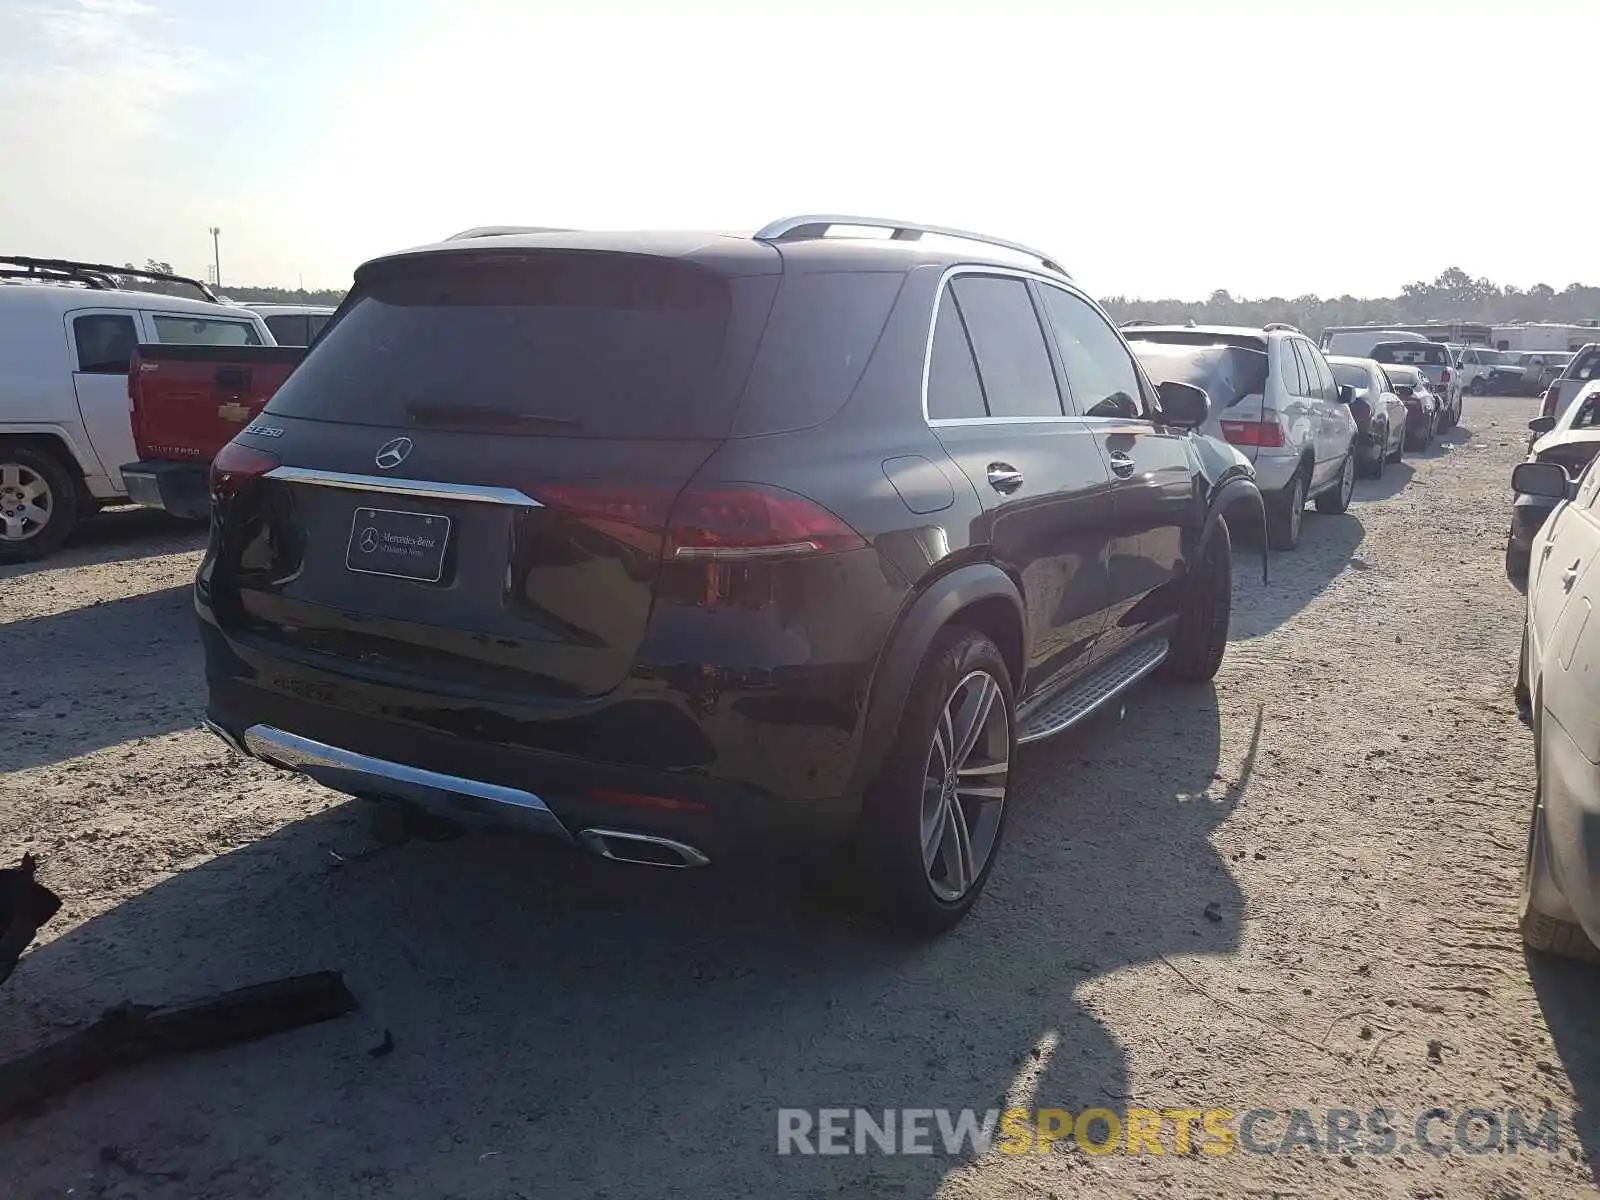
(1396,478)
(116,535)
(1457,437)
(566,1026)
(1294,577)
(1566,992)
(133,649)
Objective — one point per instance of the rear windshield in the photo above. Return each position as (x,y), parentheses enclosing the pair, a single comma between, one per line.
(1227,373)
(1350,375)
(1429,354)
(575,344)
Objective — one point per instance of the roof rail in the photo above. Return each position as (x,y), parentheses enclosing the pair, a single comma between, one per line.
(501,230)
(1283,327)
(95,276)
(816,225)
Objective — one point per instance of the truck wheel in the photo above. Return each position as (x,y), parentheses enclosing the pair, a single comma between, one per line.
(1285,510)
(38,502)
(1201,638)
(933,820)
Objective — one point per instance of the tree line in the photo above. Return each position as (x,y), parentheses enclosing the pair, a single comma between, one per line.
(1452,296)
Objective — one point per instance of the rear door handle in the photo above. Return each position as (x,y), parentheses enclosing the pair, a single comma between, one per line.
(1003,477)
(1570,576)
(1121,464)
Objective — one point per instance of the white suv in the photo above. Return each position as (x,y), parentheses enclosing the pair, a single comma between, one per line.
(1274,397)
(67,333)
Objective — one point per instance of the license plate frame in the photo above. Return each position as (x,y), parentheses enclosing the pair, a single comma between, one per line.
(378,543)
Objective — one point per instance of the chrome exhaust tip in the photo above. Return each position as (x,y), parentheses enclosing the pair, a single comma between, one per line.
(619,845)
(233,743)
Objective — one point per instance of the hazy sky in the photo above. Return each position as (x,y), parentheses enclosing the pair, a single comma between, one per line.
(1157,148)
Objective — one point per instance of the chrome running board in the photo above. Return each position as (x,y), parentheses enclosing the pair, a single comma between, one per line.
(1066,708)
(379,779)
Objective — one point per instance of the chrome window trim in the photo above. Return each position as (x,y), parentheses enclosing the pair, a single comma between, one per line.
(1039,277)
(422,488)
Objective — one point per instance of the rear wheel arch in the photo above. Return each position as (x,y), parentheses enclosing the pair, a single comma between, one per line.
(55,446)
(977,596)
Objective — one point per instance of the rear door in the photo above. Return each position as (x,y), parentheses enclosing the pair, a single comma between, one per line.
(1156,508)
(1336,425)
(994,403)
(102,343)
(1302,418)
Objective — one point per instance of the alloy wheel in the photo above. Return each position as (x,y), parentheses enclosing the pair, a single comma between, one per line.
(26,502)
(1297,507)
(964,785)
(1347,479)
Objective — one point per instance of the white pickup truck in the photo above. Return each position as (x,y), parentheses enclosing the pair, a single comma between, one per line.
(68,331)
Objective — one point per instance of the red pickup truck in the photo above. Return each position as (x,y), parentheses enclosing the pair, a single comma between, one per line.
(187,403)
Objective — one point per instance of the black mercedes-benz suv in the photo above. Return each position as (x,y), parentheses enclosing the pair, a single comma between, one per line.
(677,546)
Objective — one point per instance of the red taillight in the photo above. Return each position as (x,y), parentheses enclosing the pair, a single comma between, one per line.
(726,522)
(235,466)
(734,521)
(1253,433)
(1360,410)
(1444,377)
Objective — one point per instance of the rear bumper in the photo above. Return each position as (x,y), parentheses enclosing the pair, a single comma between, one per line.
(175,487)
(1274,470)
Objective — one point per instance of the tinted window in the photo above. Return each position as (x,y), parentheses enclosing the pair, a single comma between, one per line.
(1584,366)
(1009,344)
(1350,375)
(105,343)
(1323,385)
(821,333)
(315,324)
(612,344)
(1099,369)
(953,388)
(288,330)
(1413,353)
(1296,379)
(1227,373)
(201,331)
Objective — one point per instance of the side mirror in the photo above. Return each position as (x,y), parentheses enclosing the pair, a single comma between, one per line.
(1542,424)
(1539,479)
(1346,393)
(1183,405)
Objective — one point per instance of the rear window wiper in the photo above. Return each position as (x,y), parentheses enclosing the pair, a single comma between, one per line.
(484,416)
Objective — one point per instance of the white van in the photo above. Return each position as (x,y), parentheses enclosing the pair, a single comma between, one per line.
(67,332)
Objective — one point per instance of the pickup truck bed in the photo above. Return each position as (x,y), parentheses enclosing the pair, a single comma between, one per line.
(187,403)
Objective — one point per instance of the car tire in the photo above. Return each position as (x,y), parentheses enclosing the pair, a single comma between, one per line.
(1477,387)
(1399,447)
(1201,637)
(1337,498)
(1374,467)
(1285,513)
(919,841)
(1540,931)
(29,473)
(1520,690)
(1517,562)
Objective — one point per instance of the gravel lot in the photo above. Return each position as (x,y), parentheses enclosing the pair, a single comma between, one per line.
(1352,795)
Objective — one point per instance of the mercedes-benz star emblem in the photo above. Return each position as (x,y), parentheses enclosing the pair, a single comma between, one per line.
(369,540)
(392,454)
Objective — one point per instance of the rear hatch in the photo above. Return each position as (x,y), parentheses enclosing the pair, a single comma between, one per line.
(1234,376)
(189,401)
(1431,358)
(468,480)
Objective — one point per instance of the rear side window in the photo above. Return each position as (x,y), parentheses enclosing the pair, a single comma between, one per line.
(572,343)
(1099,369)
(1296,378)
(289,329)
(1018,380)
(822,331)
(1228,374)
(201,331)
(954,392)
(1323,384)
(104,342)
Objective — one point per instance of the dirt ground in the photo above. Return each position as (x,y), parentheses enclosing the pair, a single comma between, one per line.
(1352,796)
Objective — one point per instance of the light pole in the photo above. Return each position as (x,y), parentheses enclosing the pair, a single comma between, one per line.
(216,252)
